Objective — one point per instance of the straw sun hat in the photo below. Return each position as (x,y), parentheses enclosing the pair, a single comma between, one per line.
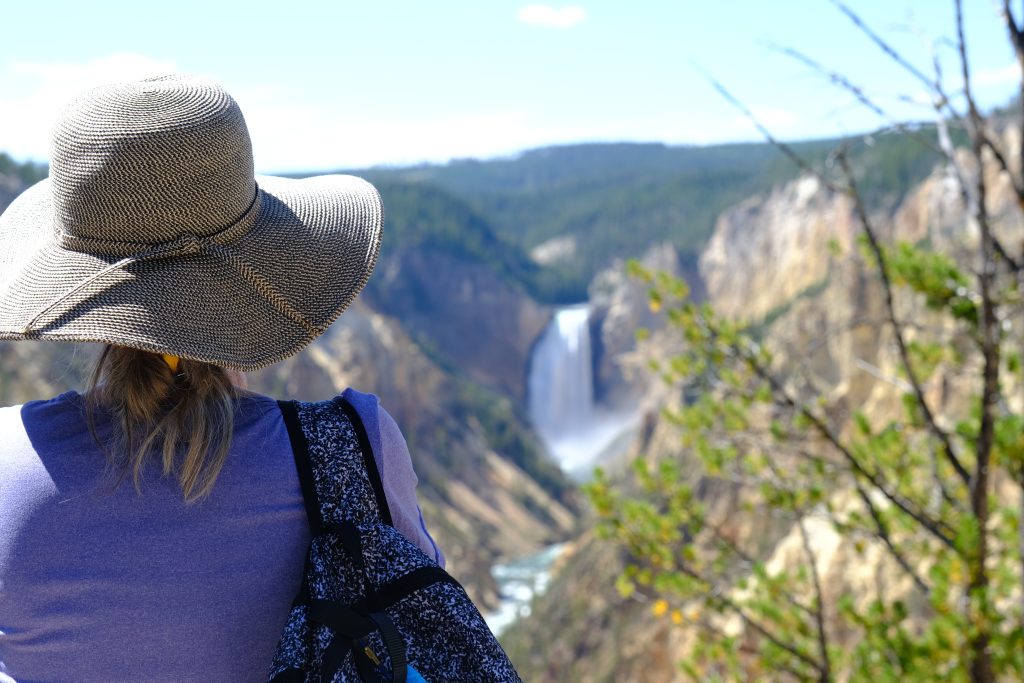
(152,232)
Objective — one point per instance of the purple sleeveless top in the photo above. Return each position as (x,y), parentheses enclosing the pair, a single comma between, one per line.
(103,584)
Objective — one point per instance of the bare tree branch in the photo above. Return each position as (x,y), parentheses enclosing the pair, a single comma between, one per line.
(778,144)
(883,533)
(883,269)
(981,658)
(881,528)
(1004,166)
(946,143)
(750,621)
(858,92)
(1017,40)
(707,626)
(819,602)
(1018,189)
(943,103)
(819,595)
(937,528)
(731,546)
(935,87)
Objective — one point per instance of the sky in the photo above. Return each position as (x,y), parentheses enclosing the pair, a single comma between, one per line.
(336,84)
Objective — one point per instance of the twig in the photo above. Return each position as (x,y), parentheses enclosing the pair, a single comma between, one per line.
(706,625)
(819,605)
(943,100)
(980,665)
(748,559)
(883,269)
(775,142)
(883,533)
(858,92)
(937,528)
(1017,40)
(877,373)
(751,622)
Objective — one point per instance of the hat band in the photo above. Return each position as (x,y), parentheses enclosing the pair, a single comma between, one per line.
(91,245)
(216,244)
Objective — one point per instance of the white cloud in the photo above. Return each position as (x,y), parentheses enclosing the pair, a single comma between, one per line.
(116,67)
(546,15)
(289,135)
(310,138)
(289,132)
(293,131)
(1009,74)
(31,95)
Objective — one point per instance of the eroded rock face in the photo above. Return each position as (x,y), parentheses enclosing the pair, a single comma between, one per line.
(767,250)
(619,307)
(464,312)
(935,208)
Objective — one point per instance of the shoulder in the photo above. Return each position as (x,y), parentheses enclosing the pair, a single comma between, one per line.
(384,433)
(45,420)
(367,405)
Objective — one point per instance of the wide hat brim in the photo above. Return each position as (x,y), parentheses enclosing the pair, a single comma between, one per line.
(243,299)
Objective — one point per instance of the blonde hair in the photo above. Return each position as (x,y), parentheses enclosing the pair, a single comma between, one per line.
(186,415)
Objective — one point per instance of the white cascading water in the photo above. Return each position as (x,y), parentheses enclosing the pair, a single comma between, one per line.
(576,432)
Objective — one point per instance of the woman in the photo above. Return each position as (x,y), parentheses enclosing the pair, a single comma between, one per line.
(152,528)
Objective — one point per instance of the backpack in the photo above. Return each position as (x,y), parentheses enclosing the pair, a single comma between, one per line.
(372,607)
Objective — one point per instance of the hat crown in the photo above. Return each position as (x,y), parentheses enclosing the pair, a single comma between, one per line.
(149,161)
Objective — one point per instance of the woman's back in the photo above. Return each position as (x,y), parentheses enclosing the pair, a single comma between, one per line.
(153,237)
(102,585)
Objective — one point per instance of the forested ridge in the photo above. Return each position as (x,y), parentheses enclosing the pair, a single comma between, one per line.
(615,200)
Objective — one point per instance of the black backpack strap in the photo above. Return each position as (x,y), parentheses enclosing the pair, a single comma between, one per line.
(350,624)
(376,482)
(300,449)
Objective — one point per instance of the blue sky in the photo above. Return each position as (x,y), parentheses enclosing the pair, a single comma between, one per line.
(329,84)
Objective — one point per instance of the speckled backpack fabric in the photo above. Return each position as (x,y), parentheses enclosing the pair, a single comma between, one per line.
(373,606)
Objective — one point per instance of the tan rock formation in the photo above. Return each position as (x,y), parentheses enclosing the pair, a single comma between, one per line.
(767,250)
(464,313)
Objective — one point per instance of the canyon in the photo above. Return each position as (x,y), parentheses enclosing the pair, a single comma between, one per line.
(455,337)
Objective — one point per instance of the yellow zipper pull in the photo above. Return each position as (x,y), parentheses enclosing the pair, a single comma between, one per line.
(373,657)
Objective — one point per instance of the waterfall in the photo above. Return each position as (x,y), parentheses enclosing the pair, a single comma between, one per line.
(576,432)
(561,387)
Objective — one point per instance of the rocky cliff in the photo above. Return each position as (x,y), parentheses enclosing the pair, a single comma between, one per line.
(619,308)
(768,249)
(462,313)
(786,261)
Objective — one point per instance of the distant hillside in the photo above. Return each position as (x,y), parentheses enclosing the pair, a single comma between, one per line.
(419,215)
(613,200)
(28,172)
(15,176)
(458,287)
